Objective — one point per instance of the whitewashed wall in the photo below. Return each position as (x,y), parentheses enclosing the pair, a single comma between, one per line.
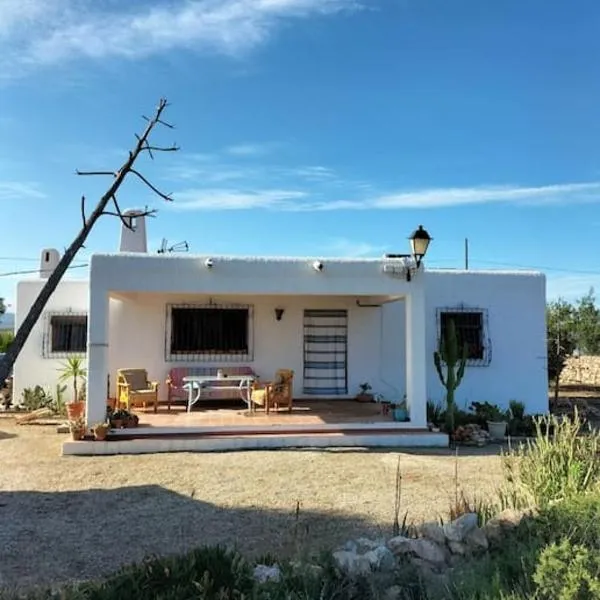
(516,320)
(31,368)
(137,338)
(517,332)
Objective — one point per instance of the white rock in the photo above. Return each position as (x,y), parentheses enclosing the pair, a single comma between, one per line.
(433,532)
(264,573)
(456,530)
(352,563)
(362,544)
(477,540)
(381,559)
(421,547)
(457,548)
(393,593)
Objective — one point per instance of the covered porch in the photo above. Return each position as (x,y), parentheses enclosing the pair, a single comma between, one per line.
(131,324)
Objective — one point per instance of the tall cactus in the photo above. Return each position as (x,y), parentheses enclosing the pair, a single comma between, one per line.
(455,362)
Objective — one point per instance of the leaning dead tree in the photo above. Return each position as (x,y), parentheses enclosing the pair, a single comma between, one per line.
(107,205)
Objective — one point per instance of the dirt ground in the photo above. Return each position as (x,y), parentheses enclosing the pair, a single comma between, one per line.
(71,518)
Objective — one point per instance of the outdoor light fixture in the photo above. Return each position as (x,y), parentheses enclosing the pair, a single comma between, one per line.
(419,242)
(208,263)
(318,266)
(279,313)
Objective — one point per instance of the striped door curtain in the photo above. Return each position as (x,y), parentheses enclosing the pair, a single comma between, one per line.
(325,352)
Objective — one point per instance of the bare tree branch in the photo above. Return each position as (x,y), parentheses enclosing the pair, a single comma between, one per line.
(111,173)
(153,188)
(109,195)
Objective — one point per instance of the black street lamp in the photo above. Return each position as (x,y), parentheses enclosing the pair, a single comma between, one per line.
(419,242)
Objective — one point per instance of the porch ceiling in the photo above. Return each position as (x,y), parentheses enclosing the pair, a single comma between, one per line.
(151,297)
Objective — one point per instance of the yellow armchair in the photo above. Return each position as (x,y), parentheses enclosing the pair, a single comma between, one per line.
(274,394)
(134,388)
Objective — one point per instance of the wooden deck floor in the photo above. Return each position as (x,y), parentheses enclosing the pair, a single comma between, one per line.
(232,413)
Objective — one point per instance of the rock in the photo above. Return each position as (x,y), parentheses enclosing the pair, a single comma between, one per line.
(457,548)
(351,546)
(393,593)
(508,519)
(381,559)
(421,547)
(351,562)
(476,540)
(364,544)
(456,530)
(433,532)
(264,573)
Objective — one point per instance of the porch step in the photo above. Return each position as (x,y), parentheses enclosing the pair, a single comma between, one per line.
(190,442)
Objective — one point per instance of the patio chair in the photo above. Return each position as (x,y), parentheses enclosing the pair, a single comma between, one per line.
(274,394)
(133,388)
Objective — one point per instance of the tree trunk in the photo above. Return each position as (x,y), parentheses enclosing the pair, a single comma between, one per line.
(38,306)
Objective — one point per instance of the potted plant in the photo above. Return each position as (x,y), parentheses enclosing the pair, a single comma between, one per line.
(364,394)
(400,410)
(77,428)
(72,369)
(494,418)
(100,430)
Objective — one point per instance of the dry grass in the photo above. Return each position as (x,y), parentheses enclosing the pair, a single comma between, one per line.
(66,518)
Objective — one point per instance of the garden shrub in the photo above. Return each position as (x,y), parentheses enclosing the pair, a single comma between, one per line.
(567,571)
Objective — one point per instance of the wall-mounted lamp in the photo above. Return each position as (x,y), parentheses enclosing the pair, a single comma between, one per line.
(208,263)
(279,313)
(419,242)
(318,266)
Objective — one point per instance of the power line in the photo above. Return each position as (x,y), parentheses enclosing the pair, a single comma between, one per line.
(39,270)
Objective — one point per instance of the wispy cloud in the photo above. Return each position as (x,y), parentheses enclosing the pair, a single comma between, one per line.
(20,190)
(353,248)
(249,149)
(53,31)
(337,197)
(219,199)
(439,197)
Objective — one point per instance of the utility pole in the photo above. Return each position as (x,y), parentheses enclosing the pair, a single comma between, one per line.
(466,254)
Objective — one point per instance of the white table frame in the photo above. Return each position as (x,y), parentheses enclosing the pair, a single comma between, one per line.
(196,383)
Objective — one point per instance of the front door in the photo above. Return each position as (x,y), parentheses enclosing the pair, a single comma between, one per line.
(325,352)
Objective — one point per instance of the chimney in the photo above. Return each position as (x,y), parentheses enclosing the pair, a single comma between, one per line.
(48,262)
(134,239)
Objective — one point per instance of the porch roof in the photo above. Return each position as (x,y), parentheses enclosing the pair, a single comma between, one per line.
(137,272)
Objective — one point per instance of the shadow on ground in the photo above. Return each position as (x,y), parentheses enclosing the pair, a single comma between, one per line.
(7,436)
(54,537)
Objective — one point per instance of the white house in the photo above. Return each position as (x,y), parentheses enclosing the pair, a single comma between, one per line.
(384,317)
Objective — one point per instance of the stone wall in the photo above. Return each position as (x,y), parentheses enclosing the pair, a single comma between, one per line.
(584,370)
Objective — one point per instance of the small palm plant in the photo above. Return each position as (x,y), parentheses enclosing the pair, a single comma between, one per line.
(73,369)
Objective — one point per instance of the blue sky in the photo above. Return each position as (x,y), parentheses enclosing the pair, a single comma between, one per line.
(311,127)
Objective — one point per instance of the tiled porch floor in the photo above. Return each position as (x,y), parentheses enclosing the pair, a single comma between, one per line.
(227,413)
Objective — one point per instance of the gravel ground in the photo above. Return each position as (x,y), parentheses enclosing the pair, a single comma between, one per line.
(71,518)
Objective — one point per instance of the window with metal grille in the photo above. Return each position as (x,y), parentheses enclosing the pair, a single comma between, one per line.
(209,331)
(469,330)
(68,334)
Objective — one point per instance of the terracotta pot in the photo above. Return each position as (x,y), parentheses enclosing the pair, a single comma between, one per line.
(75,410)
(100,434)
(77,434)
(364,397)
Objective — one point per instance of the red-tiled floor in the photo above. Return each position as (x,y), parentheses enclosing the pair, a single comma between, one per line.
(313,412)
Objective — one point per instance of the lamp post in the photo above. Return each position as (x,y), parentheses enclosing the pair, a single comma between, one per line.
(419,242)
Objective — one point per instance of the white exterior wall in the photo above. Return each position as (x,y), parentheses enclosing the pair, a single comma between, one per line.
(31,368)
(137,338)
(516,306)
(377,337)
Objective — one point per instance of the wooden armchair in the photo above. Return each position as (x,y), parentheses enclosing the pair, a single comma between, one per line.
(133,388)
(274,394)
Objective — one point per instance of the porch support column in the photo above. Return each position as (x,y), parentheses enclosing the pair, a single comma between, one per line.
(416,355)
(97,356)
